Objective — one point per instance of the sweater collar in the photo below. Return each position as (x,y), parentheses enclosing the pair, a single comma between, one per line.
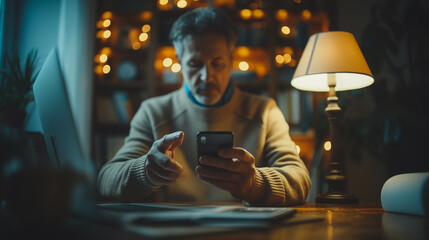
(210,114)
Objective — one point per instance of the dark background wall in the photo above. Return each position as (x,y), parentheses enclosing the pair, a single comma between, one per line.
(385,125)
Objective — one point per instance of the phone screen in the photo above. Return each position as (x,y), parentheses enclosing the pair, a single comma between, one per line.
(209,142)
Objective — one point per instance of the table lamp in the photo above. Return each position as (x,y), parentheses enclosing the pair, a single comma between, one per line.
(332,61)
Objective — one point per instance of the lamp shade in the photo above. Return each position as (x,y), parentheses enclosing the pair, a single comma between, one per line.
(334,53)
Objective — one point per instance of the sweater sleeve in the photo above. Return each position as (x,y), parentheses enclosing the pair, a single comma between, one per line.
(124,177)
(285,179)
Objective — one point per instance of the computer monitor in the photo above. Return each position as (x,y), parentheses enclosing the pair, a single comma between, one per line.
(60,134)
(56,117)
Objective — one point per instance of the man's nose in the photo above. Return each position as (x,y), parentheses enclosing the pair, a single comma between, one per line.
(206,73)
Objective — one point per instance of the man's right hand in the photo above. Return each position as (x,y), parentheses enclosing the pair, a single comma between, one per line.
(161,168)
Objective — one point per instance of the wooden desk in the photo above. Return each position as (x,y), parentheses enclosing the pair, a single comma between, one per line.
(363,221)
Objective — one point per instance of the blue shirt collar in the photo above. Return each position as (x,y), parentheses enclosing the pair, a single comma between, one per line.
(225,98)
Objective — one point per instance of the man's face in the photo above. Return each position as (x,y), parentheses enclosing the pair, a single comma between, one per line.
(206,66)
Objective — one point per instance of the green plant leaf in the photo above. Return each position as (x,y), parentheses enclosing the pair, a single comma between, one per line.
(17,81)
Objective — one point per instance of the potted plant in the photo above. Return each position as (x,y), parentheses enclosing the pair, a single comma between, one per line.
(16,88)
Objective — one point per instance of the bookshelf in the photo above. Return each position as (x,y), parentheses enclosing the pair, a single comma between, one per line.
(134,59)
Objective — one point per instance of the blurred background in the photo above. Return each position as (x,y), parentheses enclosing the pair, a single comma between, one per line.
(115,54)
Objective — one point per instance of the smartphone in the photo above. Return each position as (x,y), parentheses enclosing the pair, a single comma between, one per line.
(209,142)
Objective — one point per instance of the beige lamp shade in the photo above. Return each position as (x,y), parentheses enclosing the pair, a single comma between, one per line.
(336,54)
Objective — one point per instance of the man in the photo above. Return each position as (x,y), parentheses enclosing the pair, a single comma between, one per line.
(160,155)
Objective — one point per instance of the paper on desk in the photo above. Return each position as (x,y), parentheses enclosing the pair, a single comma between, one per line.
(210,214)
(192,226)
(162,220)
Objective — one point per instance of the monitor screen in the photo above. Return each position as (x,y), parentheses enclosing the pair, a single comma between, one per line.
(56,117)
(61,137)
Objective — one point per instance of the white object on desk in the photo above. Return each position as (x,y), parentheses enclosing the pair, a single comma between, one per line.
(407,193)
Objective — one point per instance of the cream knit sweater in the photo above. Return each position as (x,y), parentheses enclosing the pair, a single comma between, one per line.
(258,125)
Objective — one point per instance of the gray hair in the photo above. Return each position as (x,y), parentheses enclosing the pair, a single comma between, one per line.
(201,21)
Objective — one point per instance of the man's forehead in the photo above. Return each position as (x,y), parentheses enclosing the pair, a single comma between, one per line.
(209,43)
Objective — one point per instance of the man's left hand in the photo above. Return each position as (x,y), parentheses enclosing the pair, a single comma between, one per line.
(234,171)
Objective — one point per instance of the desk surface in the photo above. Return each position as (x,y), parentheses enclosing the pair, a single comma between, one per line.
(363,221)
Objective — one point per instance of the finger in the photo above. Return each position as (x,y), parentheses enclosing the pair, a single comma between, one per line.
(232,165)
(169,140)
(218,174)
(238,153)
(178,142)
(162,173)
(157,180)
(163,161)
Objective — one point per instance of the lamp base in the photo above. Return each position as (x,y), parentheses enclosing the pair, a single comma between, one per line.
(336,198)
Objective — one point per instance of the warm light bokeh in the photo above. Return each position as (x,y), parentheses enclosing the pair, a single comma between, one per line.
(146,28)
(98,70)
(143,36)
(182,3)
(103,58)
(287,58)
(176,68)
(245,14)
(106,69)
(243,51)
(327,146)
(146,16)
(106,50)
(107,34)
(136,45)
(279,59)
(306,14)
(258,13)
(106,23)
(281,15)
(288,50)
(257,60)
(107,15)
(285,30)
(243,66)
(167,62)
